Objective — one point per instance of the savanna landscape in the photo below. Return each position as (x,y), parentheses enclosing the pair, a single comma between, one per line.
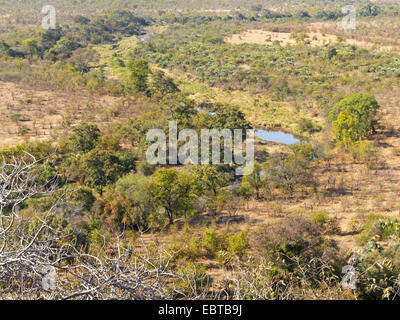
(83,207)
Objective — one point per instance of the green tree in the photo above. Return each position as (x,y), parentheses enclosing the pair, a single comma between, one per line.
(354,117)
(84,137)
(140,72)
(254,181)
(162,85)
(369,10)
(289,171)
(130,204)
(209,179)
(5,48)
(331,53)
(174,191)
(32,46)
(63,49)
(182,108)
(103,167)
(228,117)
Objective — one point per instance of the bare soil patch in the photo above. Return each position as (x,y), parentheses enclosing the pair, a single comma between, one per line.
(33,114)
(312,37)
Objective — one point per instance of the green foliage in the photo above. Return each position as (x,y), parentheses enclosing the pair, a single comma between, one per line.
(174,191)
(238,244)
(83,197)
(140,72)
(254,181)
(146,168)
(84,137)
(209,178)
(369,10)
(308,150)
(211,241)
(130,204)
(388,227)
(291,171)
(377,270)
(162,85)
(216,203)
(182,109)
(377,227)
(354,117)
(209,181)
(134,130)
(364,151)
(332,52)
(307,125)
(63,49)
(228,117)
(100,168)
(192,276)
(39,149)
(320,217)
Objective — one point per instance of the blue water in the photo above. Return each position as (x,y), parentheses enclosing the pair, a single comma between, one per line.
(276,136)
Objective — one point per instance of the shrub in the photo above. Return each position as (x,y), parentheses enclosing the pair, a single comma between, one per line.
(210,241)
(363,151)
(193,277)
(101,167)
(237,244)
(320,217)
(84,137)
(377,227)
(194,249)
(354,117)
(332,226)
(307,125)
(296,237)
(140,72)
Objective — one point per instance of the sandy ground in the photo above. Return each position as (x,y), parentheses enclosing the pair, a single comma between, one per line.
(313,38)
(28,114)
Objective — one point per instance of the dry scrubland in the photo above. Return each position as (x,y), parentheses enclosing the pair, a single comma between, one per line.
(349,191)
(118,76)
(37,114)
(375,34)
(311,38)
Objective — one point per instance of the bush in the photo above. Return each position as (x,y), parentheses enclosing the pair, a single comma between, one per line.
(84,137)
(355,225)
(210,241)
(363,151)
(377,227)
(237,244)
(354,117)
(102,167)
(296,237)
(307,125)
(319,217)
(193,277)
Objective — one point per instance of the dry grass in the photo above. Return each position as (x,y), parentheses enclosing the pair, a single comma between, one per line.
(347,191)
(33,114)
(312,38)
